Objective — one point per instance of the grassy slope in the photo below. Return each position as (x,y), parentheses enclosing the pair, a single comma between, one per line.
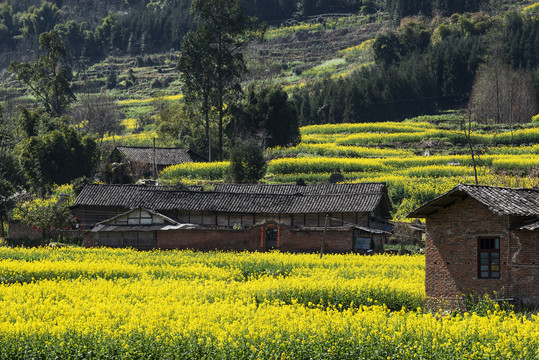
(293,55)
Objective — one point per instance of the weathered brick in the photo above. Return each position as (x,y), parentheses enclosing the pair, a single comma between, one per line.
(451,249)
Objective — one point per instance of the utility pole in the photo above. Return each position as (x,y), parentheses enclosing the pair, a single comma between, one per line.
(324,236)
(154,162)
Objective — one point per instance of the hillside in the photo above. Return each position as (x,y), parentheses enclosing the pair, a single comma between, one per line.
(418,159)
(361,71)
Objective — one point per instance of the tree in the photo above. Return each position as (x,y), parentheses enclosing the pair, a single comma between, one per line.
(247,162)
(267,114)
(99,114)
(57,158)
(7,192)
(48,78)
(7,131)
(45,215)
(179,126)
(503,95)
(222,31)
(198,75)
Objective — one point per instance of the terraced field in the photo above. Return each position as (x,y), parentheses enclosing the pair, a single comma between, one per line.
(417,159)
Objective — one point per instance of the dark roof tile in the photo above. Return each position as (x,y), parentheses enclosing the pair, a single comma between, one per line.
(160,199)
(163,156)
(499,200)
(357,188)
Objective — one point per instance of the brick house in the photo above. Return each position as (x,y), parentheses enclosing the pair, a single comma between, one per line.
(482,240)
(236,217)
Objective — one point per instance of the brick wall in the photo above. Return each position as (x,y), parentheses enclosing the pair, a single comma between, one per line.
(202,239)
(337,240)
(451,249)
(18,230)
(254,239)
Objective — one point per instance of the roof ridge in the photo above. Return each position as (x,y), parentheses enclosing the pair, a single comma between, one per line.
(499,187)
(151,147)
(259,193)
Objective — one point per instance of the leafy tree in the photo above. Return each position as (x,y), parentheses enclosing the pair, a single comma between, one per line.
(9,28)
(247,162)
(45,215)
(48,79)
(7,202)
(179,126)
(198,75)
(39,20)
(224,30)
(268,114)
(7,131)
(57,158)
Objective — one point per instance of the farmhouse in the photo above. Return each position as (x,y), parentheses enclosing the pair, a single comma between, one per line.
(482,240)
(345,217)
(143,159)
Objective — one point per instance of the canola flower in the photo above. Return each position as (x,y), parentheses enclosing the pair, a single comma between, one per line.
(530,9)
(285,31)
(144,101)
(141,139)
(67,189)
(385,127)
(220,305)
(412,179)
(332,149)
(365,45)
(199,170)
(129,124)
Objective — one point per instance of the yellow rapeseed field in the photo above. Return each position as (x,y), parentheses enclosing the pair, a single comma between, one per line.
(123,304)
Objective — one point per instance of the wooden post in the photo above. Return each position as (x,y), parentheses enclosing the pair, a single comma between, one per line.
(324,236)
(154,162)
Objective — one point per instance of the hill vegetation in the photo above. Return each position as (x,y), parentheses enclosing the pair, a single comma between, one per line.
(356,64)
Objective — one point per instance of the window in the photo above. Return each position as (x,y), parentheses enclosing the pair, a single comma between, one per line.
(362,243)
(489,258)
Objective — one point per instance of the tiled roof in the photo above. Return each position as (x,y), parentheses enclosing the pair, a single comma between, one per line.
(163,156)
(499,200)
(112,195)
(158,199)
(359,188)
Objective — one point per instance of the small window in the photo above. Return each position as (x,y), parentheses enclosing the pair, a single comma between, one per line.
(362,243)
(489,258)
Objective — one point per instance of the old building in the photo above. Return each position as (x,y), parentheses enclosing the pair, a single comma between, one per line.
(147,161)
(255,217)
(482,240)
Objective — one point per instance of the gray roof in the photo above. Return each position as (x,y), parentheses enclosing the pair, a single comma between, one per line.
(163,156)
(499,200)
(112,195)
(159,199)
(284,189)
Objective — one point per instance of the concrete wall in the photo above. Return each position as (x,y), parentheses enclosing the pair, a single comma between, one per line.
(451,249)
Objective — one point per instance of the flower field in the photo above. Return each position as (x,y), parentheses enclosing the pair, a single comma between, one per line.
(122,304)
(389,152)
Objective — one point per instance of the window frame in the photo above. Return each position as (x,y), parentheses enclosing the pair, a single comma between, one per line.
(489,246)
